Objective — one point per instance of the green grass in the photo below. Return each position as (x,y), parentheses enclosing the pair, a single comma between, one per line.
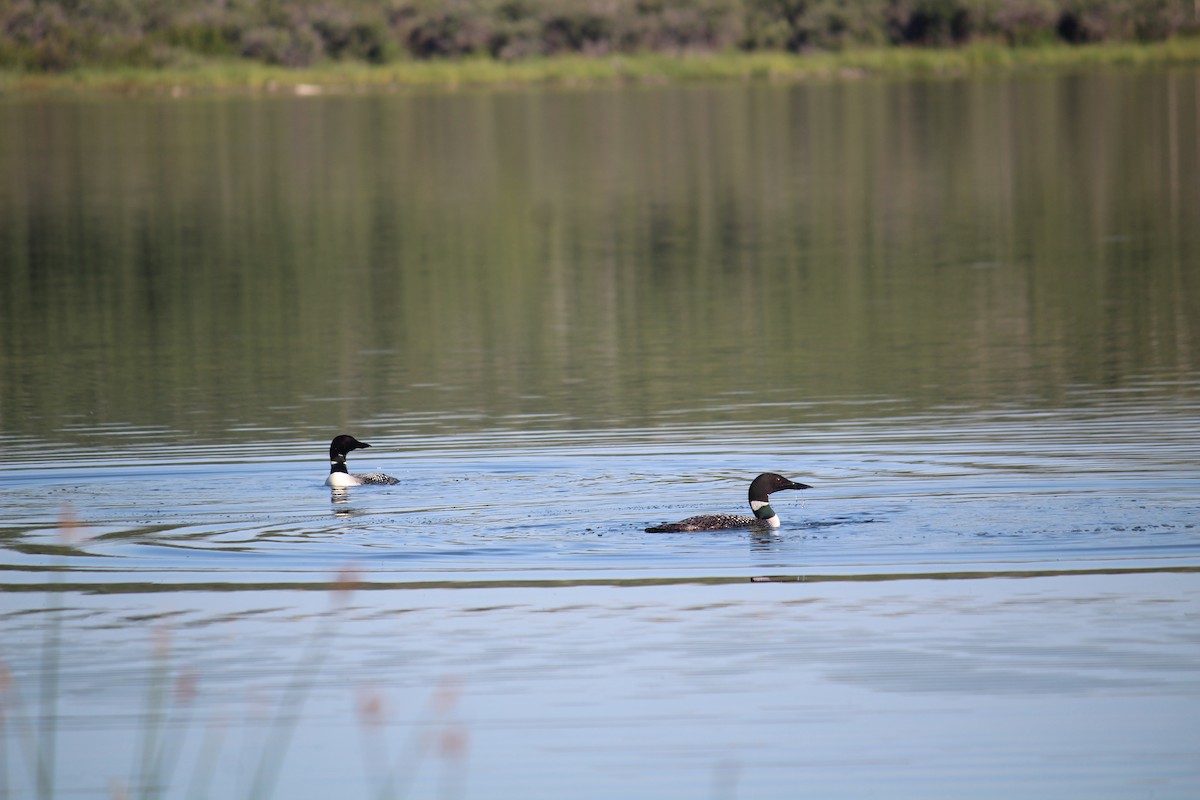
(244,76)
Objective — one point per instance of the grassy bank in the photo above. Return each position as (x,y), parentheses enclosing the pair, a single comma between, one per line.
(243,76)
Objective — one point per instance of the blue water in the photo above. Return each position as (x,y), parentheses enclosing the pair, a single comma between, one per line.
(982,603)
(963,311)
(969,490)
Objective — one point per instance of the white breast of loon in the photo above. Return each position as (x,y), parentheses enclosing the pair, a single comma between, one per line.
(340,477)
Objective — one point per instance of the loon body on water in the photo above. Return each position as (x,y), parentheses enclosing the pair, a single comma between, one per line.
(760,504)
(339,476)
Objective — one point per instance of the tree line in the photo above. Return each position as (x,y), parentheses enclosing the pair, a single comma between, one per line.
(56,35)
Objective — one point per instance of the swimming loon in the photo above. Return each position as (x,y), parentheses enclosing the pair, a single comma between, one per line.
(764,515)
(339,478)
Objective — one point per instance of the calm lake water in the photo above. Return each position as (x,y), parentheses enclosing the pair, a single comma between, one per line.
(967,312)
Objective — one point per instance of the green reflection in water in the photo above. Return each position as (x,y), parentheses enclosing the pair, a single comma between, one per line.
(605,257)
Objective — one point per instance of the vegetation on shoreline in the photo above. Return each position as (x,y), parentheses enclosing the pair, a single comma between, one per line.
(566,70)
(519,38)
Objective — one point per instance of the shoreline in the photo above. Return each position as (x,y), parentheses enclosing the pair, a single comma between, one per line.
(645,68)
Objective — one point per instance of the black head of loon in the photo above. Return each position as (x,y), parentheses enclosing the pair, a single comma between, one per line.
(760,503)
(339,476)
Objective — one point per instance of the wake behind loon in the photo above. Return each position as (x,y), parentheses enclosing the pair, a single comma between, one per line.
(339,476)
(760,504)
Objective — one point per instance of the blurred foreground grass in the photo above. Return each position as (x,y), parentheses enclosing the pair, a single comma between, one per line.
(177,746)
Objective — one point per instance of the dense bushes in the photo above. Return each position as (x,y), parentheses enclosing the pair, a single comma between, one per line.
(511,29)
(55,35)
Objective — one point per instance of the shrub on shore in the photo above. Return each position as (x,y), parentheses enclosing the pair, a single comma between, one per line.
(57,35)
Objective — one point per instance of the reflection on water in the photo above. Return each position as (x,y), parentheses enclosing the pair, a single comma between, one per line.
(965,312)
(237,267)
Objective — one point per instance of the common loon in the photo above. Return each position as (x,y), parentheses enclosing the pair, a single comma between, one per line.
(764,515)
(339,478)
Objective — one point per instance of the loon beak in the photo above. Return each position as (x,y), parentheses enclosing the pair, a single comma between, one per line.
(793,485)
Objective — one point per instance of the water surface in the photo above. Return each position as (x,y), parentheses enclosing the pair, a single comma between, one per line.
(966,312)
